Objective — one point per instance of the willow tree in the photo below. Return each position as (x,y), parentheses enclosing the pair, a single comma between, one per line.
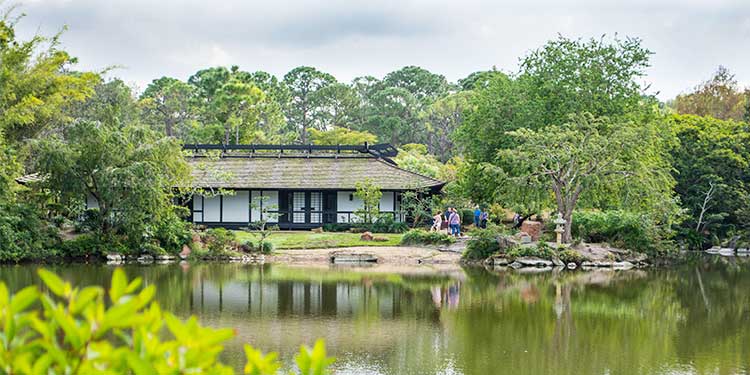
(589,159)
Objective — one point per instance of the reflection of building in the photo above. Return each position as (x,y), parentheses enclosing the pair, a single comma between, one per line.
(288,298)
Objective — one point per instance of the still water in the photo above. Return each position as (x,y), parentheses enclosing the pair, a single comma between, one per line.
(690,320)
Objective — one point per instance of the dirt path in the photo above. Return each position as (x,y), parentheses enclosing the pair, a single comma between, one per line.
(386,255)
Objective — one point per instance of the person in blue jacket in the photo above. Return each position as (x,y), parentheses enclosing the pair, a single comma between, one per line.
(477,213)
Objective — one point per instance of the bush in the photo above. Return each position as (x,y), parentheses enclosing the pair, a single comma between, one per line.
(467,217)
(90,220)
(571,256)
(79,331)
(333,227)
(24,235)
(423,237)
(266,247)
(84,245)
(172,233)
(541,250)
(482,245)
(219,240)
(386,224)
(620,229)
(153,249)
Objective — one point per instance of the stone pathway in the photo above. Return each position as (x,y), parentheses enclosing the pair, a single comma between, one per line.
(457,247)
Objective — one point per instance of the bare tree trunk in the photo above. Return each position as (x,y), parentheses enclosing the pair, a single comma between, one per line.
(705,206)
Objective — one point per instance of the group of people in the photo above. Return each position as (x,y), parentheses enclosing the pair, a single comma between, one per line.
(453,220)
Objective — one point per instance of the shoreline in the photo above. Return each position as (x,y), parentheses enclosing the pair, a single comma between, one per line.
(383,258)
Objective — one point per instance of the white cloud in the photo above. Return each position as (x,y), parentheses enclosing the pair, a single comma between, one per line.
(349,38)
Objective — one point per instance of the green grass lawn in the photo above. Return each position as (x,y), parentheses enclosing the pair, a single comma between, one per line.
(311,240)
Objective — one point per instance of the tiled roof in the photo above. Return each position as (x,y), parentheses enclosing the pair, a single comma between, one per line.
(300,172)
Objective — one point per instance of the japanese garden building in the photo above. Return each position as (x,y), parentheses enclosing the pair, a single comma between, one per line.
(297,186)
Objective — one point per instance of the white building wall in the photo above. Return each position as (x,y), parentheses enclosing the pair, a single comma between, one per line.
(343,203)
(212,209)
(236,208)
(386,201)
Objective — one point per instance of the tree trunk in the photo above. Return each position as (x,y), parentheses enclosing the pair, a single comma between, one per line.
(567,236)
(169,127)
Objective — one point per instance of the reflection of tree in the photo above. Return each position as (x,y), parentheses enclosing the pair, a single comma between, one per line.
(716,302)
(576,322)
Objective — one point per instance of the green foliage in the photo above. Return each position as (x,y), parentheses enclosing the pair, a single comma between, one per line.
(541,250)
(313,361)
(85,245)
(595,160)
(482,244)
(423,237)
(219,241)
(387,224)
(442,118)
(620,229)
(710,166)
(467,216)
(24,235)
(417,205)
(370,195)
(37,83)
(130,171)
(570,256)
(87,331)
(341,136)
(172,233)
(305,84)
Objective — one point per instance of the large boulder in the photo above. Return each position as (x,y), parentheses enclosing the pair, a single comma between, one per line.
(366,236)
(534,262)
(185,253)
(533,229)
(507,242)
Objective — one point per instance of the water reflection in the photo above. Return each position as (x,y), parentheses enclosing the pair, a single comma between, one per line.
(693,319)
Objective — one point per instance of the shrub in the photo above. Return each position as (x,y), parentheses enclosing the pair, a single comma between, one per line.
(24,235)
(571,256)
(620,229)
(219,240)
(266,247)
(541,250)
(80,331)
(90,220)
(467,217)
(482,245)
(333,227)
(172,233)
(386,224)
(423,237)
(84,245)
(153,249)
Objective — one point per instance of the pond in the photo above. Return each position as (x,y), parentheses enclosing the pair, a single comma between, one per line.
(689,320)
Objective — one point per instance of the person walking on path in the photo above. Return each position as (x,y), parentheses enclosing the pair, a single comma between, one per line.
(477,214)
(437,220)
(455,223)
(483,217)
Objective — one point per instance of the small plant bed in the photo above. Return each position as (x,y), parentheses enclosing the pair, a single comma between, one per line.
(423,237)
(311,240)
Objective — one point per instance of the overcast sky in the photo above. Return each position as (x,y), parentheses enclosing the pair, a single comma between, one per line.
(349,38)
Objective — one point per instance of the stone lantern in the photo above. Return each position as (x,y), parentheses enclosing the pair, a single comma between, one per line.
(559,228)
